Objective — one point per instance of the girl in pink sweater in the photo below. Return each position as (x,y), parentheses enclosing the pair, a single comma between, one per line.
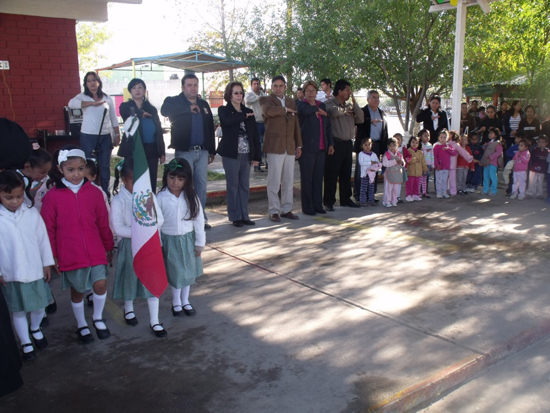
(393,177)
(442,163)
(78,228)
(521,164)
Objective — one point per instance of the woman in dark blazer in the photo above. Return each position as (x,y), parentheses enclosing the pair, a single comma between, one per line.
(239,148)
(317,141)
(150,129)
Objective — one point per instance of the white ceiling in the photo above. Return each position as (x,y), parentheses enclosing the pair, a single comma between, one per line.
(81,10)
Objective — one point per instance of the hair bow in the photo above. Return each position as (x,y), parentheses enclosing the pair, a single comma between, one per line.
(172,165)
(120,165)
(63,156)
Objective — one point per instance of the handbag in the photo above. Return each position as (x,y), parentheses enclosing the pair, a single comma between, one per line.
(395,174)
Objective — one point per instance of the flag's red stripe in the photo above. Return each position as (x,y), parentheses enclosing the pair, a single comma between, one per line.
(149,266)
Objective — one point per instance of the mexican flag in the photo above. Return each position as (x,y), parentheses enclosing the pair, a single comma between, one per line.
(146,247)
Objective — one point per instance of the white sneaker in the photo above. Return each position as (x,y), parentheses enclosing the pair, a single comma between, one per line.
(388,205)
(439,196)
(513,196)
(394,204)
(521,198)
(416,198)
(409,198)
(446,195)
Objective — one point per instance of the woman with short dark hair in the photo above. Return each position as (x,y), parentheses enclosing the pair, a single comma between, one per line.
(149,127)
(99,120)
(239,147)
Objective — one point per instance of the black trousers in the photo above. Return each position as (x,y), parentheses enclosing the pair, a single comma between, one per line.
(357,173)
(338,170)
(312,166)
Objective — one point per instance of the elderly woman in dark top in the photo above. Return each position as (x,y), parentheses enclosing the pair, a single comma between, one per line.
(317,141)
(239,148)
(149,127)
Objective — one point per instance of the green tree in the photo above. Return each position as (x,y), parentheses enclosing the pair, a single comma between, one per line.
(90,37)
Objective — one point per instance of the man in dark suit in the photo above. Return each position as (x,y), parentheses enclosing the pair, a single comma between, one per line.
(434,119)
(374,127)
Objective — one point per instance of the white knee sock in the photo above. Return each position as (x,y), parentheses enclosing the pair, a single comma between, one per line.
(185,295)
(99,305)
(176,297)
(36,319)
(22,328)
(129,306)
(78,310)
(153,304)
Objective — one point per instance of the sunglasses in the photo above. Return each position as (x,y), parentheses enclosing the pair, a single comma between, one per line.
(238,93)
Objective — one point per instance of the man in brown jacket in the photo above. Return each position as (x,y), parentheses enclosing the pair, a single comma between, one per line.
(282,146)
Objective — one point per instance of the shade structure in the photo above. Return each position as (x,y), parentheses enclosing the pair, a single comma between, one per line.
(193,60)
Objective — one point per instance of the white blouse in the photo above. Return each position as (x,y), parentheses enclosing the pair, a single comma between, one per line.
(174,211)
(93,114)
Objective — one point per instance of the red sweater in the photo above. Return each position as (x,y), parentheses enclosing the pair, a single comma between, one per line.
(78,226)
(461,163)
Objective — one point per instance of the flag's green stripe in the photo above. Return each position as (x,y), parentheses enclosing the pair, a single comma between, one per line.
(140,160)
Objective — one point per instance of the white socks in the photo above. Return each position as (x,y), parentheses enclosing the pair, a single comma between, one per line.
(185,296)
(36,319)
(78,310)
(129,307)
(22,328)
(99,305)
(153,304)
(176,298)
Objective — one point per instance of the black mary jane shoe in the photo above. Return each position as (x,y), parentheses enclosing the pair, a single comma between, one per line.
(51,308)
(207,226)
(101,334)
(45,322)
(159,333)
(89,300)
(248,222)
(189,312)
(31,355)
(84,338)
(177,313)
(130,321)
(42,343)
(238,223)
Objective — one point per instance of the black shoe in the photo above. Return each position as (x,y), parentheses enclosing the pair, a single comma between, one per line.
(101,334)
(350,204)
(177,313)
(189,312)
(399,201)
(42,343)
(207,226)
(84,338)
(258,169)
(309,212)
(89,300)
(320,211)
(31,355)
(248,222)
(45,322)
(238,223)
(329,208)
(51,308)
(130,321)
(159,333)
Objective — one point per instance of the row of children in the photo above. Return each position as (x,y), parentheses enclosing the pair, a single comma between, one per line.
(52,215)
(461,164)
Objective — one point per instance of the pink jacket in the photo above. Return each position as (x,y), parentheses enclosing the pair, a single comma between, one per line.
(492,154)
(442,157)
(78,226)
(521,161)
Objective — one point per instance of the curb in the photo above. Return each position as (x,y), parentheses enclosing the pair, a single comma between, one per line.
(439,384)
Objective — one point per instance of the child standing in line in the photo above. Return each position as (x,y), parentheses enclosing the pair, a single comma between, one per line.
(538,168)
(491,161)
(416,168)
(442,163)
(82,242)
(548,179)
(510,153)
(25,260)
(521,165)
(464,164)
(182,234)
(127,286)
(91,173)
(393,176)
(427,150)
(405,155)
(452,142)
(474,178)
(370,164)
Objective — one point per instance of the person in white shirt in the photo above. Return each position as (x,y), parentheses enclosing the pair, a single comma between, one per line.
(326,90)
(252,101)
(182,233)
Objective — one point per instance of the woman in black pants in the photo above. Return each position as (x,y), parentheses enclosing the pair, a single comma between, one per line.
(149,127)
(317,141)
(239,148)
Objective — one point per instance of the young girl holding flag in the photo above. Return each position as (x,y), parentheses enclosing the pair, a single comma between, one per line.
(182,234)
